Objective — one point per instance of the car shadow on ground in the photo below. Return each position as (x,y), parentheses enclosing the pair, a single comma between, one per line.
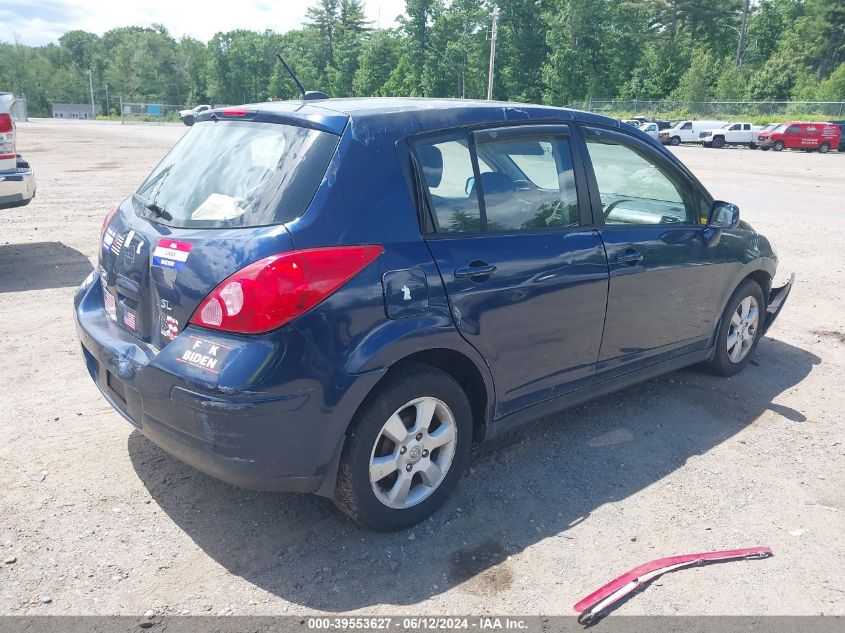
(41,265)
(548,478)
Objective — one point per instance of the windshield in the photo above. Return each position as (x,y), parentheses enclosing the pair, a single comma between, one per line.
(237,173)
(780,128)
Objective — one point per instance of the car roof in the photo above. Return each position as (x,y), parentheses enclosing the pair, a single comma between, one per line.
(401,116)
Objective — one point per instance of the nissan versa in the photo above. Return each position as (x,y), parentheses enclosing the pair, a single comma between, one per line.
(343,296)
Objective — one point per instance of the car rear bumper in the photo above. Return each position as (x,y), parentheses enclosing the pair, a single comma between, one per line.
(17,187)
(776,301)
(283,437)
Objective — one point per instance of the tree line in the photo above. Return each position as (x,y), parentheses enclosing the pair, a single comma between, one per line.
(549,51)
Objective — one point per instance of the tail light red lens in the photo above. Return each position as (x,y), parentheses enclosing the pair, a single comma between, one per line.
(273,291)
(7,136)
(106,221)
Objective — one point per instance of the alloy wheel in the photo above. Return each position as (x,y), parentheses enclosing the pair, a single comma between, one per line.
(413,452)
(743,329)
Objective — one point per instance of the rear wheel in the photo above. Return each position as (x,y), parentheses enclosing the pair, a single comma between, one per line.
(824,148)
(408,446)
(675,140)
(778,146)
(739,329)
(752,145)
(765,149)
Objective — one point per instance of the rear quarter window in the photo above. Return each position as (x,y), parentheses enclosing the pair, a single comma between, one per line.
(238,174)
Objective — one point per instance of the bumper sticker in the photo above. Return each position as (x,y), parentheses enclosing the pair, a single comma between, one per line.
(109,302)
(130,318)
(171,254)
(108,238)
(203,353)
(168,326)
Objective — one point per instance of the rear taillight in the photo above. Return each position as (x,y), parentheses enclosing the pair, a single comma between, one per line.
(106,221)
(7,136)
(275,290)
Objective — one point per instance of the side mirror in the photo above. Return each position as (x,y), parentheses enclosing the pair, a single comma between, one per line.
(723,215)
(469,186)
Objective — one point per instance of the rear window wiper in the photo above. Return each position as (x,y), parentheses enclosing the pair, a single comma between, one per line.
(157,210)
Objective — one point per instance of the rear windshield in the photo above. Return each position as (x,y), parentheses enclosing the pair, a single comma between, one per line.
(237,173)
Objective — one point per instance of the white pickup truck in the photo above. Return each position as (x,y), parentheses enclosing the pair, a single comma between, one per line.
(731,134)
(17,180)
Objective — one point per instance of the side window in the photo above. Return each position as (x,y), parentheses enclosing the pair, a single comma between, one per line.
(531,185)
(634,189)
(686,126)
(793,129)
(746,126)
(447,174)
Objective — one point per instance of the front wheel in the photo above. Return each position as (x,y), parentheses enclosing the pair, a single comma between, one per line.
(739,329)
(718,142)
(407,448)
(675,140)
(778,146)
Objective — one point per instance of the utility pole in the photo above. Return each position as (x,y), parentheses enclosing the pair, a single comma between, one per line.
(494,34)
(108,109)
(91,88)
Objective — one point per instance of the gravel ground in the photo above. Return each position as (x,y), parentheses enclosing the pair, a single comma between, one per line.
(94,519)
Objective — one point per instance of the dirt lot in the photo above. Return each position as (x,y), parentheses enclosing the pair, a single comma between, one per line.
(99,521)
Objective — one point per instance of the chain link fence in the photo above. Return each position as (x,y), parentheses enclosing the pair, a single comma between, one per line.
(667,108)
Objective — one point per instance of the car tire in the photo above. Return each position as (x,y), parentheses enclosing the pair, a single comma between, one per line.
(740,329)
(427,405)
(752,146)
(824,148)
(718,142)
(188,120)
(778,146)
(765,149)
(675,140)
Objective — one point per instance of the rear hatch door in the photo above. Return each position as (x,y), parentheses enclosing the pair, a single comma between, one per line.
(217,202)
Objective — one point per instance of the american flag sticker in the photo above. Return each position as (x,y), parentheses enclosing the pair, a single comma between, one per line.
(110,305)
(171,254)
(108,238)
(129,318)
(169,327)
(117,244)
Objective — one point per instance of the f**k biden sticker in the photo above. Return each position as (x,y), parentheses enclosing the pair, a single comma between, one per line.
(203,353)
(171,254)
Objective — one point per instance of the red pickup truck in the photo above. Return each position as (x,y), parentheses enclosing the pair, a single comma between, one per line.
(799,135)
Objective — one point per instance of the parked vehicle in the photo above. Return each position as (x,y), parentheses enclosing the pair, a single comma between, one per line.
(801,135)
(731,134)
(650,128)
(342,296)
(841,125)
(687,131)
(17,178)
(189,116)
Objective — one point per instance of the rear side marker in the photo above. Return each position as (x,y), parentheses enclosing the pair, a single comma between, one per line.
(614,591)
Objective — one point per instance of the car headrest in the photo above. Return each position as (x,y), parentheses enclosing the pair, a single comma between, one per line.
(493,182)
(431,159)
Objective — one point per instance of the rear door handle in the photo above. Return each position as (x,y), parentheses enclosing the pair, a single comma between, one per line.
(480,270)
(630,257)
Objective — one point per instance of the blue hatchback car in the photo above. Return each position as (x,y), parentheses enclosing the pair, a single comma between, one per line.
(343,296)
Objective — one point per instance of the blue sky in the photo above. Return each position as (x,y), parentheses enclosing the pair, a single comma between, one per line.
(38,22)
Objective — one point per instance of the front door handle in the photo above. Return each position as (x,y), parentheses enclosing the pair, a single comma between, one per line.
(475,269)
(630,257)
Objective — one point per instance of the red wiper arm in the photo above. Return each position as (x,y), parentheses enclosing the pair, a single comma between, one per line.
(615,590)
